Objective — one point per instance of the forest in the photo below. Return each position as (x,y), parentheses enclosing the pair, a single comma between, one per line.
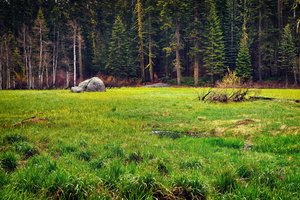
(58,43)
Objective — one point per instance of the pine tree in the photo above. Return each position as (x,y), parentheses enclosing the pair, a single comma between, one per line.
(194,32)
(287,54)
(243,61)
(214,48)
(232,23)
(173,15)
(119,58)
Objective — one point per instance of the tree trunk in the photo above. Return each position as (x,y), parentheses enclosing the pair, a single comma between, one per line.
(150,49)
(279,16)
(177,35)
(41,59)
(295,75)
(140,36)
(7,65)
(80,40)
(25,54)
(30,75)
(67,76)
(286,79)
(259,42)
(196,56)
(299,65)
(1,65)
(46,69)
(74,53)
(56,57)
(53,57)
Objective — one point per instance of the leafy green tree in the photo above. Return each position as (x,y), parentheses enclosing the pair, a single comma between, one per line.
(243,62)
(214,46)
(287,54)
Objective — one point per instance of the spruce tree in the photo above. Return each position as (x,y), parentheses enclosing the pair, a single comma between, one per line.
(287,53)
(232,29)
(214,48)
(119,60)
(243,61)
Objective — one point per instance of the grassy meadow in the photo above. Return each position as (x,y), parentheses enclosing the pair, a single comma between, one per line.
(148,143)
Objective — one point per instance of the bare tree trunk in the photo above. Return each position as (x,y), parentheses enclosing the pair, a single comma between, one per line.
(1,65)
(259,43)
(196,70)
(7,65)
(30,73)
(150,49)
(286,79)
(46,69)
(40,72)
(54,47)
(66,62)
(25,54)
(299,65)
(80,40)
(279,15)
(196,57)
(140,36)
(74,52)
(295,74)
(56,58)
(177,35)
(67,76)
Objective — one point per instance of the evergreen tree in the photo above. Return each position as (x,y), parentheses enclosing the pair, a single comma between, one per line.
(214,48)
(173,15)
(119,61)
(287,54)
(243,62)
(232,23)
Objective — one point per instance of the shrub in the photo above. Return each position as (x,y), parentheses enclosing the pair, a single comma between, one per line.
(230,80)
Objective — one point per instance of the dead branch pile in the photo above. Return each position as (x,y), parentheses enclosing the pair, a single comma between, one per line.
(224,95)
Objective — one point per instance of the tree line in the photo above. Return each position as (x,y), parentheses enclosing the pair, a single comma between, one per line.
(57,43)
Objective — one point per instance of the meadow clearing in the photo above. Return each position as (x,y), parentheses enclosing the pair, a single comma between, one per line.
(147,143)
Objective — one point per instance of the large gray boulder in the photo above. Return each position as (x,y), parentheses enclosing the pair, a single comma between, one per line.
(94,84)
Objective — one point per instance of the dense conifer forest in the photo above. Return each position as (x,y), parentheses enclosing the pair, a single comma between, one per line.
(58,43)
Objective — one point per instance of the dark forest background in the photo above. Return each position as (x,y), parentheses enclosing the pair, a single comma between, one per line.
(57,43)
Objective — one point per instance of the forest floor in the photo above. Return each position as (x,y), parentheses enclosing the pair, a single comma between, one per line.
(144,143)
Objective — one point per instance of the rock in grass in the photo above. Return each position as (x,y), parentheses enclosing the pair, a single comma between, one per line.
(77,89)
(94,84)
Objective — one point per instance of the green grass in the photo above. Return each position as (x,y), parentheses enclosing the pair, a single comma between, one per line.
(104,146)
